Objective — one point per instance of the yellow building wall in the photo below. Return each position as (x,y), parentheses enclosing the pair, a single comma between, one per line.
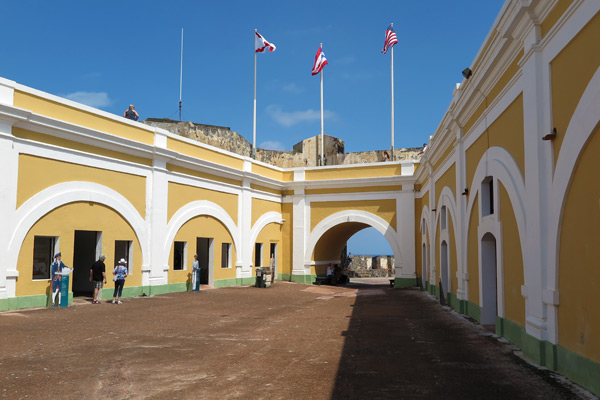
(571,71)
(553,16)
(473,253)
(444,156)
(62,222)
(447,179)
(266,189)
(514,302)
(36,174)
(180,195)
(385,209)
(261,207)
(510,72)
(272,233)
(268,172)
(579,274)
(203,153)
(69,144)
(202,227)
(472,157)
(371,171)
(287,236)
(508,132)
(77,116)
(203,175)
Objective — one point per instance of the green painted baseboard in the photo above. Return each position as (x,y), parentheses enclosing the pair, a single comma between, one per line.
(308,279)
(405,282)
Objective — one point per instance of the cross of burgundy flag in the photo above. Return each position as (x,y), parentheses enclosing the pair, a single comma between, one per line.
(260,44)
(320,61)
(390,39)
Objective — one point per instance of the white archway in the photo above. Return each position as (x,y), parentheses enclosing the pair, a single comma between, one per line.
(195,209)
(71,192)
(364,217)
(500,164)
(272,217)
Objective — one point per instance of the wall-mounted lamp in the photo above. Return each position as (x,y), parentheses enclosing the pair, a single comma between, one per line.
(465,192)
(550,136)
(467,73)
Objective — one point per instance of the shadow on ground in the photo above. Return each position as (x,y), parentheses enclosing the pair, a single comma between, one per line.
(401,344)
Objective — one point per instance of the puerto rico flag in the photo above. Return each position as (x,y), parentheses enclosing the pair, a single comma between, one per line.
(260,43)
(320,61)
(390,39)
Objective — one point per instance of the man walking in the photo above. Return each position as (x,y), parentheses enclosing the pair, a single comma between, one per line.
(97,275)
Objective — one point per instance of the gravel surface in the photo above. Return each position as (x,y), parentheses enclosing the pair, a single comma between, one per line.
(291,341)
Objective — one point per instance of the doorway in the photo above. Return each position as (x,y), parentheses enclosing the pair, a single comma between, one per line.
(424,268)
(489,280)
(444,270)
(85,252)
(273,256)
(204,249)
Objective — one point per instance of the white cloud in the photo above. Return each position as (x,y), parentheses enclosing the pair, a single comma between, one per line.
(92,99)
(288,119)
(293,88)
(272,145)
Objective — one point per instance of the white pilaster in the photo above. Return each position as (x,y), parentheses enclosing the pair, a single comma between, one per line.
(9,161)
(405,228)
(156,216)
(300,232)
(538,177)
(461,218)
(245,262)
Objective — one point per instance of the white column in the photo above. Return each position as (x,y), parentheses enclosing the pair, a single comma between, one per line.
(405,230)
(538,177)
(432,229)
(300,229)
(245,263)
(9,163)
(461,218)
(156,216)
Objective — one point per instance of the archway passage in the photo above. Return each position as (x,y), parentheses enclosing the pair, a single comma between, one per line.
(85,246)
(332,243)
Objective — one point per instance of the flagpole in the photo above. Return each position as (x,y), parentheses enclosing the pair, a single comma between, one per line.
(322,137)
(392,69)
(254,115)
(181,74)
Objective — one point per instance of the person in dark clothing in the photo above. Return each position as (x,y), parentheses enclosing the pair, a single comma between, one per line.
(130,113)
(97,275)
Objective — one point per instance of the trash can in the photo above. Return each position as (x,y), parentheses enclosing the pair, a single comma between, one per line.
(196,280)
(260,278)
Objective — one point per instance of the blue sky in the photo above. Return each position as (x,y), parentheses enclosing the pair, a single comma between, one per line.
(108,54)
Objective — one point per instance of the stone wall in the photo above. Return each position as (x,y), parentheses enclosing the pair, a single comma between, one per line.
(368,266)
(304,154)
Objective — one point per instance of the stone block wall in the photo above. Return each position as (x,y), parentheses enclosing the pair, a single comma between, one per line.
(304,154)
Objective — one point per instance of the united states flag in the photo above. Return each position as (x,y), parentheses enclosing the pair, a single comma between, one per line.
(390,39)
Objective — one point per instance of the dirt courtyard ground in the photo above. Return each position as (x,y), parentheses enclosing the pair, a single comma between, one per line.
(291,341)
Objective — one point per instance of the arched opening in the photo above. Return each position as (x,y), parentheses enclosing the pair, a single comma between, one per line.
(489,295)
(444,269)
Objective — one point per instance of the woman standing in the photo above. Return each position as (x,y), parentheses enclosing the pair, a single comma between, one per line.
(120,273)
